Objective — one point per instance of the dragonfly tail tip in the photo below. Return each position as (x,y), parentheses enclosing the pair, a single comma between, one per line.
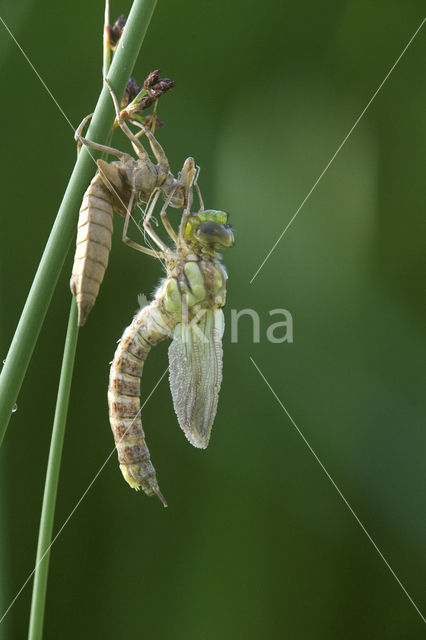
(161,497)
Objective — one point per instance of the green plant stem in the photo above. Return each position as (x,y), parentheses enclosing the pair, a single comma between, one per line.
(106,52)
(52,478)
(59,241)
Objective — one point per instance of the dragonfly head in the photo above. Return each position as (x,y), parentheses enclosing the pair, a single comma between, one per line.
(210,229)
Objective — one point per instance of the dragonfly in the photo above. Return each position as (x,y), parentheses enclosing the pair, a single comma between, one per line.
(187,307)
(119,186)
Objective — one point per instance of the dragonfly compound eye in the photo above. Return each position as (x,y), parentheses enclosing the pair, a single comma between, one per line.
(214,234)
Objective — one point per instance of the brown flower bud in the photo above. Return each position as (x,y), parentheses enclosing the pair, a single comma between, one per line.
(165,84)
(130,92)
(151,79)
(116,30)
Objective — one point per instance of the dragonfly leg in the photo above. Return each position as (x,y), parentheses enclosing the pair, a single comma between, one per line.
(140,247)
(156,147)
(81,126)
(147,224)
(197,173)
(195,183)
(95,145)
(158,151)
(200,197)
(187,212)
(141,126)
(125,237)
(136,144)
(154,116)
(165,220)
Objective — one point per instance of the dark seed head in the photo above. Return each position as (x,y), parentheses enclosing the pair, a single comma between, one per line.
(152,79)
(116,30)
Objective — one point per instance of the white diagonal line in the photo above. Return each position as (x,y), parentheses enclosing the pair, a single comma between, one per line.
(79,501)
(339,491)
(37,73)
(339,148)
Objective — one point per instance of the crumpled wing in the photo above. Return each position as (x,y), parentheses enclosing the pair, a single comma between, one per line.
(195,366)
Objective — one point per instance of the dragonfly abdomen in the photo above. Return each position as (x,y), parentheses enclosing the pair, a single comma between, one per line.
(92,247)
(151,325)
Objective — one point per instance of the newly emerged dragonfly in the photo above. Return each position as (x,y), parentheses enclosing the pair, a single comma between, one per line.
(188,308)
(118,186)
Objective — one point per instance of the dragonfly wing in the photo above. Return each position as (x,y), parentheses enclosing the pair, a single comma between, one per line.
(195,366)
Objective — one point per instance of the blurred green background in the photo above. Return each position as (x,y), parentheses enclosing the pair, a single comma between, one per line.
(256,542)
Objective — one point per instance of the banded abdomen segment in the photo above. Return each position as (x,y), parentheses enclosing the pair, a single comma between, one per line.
(151,325)
(92,247)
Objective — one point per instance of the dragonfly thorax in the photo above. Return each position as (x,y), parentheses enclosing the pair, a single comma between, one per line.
(193,285)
